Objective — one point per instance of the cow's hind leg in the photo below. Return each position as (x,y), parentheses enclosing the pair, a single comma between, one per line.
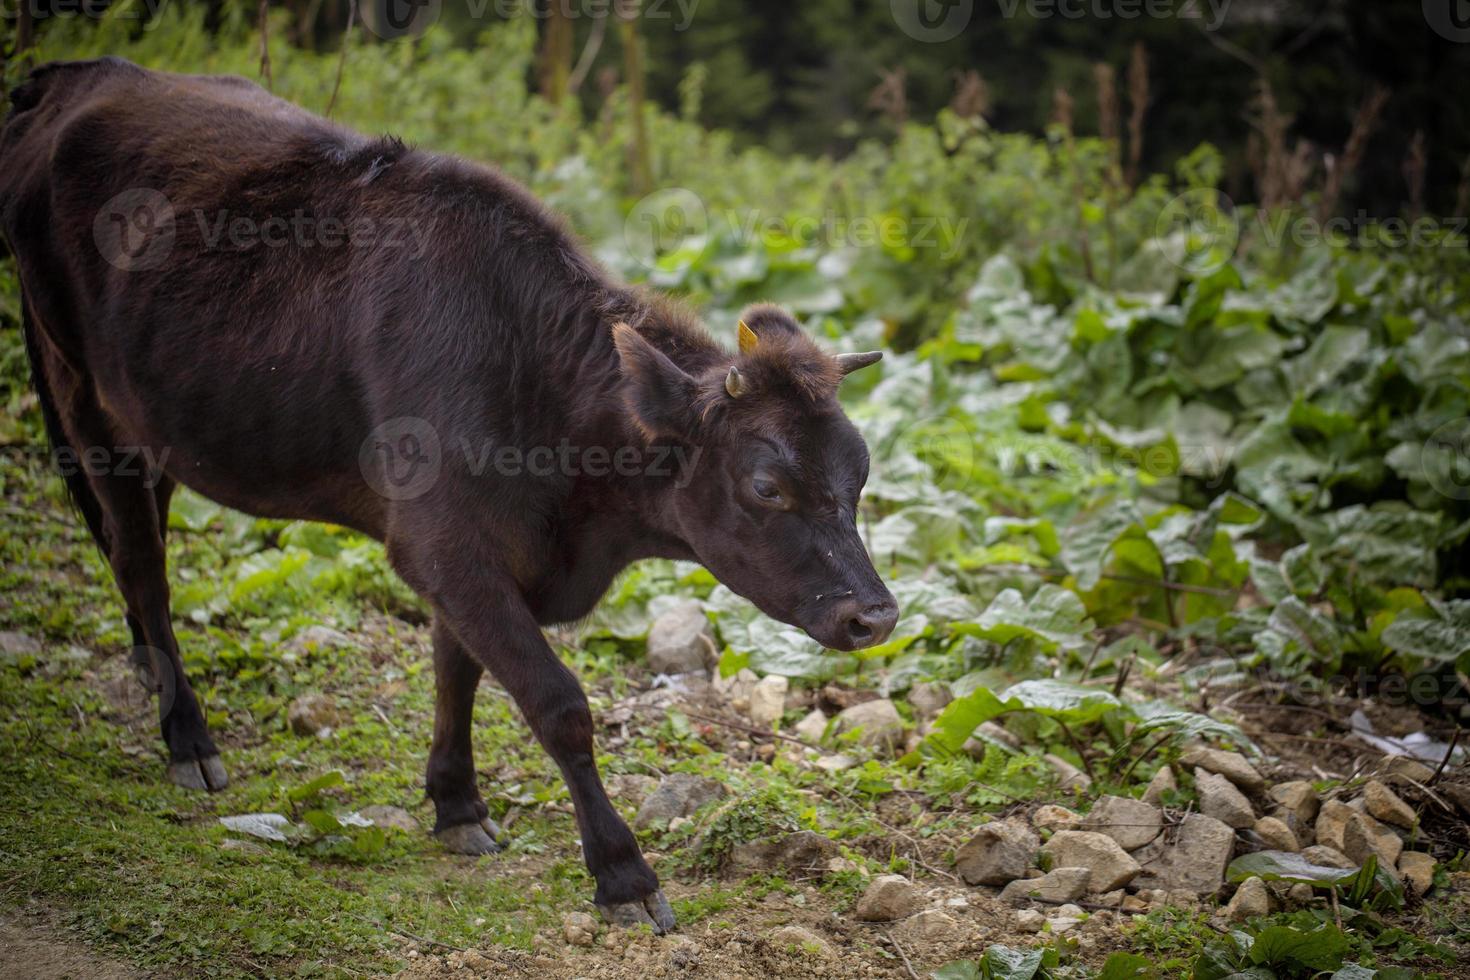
(462,823)
(130,504)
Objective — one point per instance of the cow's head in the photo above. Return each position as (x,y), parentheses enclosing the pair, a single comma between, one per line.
(771,506)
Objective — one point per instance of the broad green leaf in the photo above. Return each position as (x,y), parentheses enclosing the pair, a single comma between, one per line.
(1283,946)
(1087,541)
(322,822)
(958,970)
(1127,966)
(1071,703)
(325,781)
(1286,866)
(959,719)
(1442,639)
(1004,963)
(1053,615)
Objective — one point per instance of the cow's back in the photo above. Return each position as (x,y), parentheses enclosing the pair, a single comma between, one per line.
(143,209)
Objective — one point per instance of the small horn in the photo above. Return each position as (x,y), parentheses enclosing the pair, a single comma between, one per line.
(748,339)
(851,362)
(735,383)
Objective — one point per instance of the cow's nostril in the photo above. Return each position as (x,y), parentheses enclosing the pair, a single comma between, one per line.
(860,631)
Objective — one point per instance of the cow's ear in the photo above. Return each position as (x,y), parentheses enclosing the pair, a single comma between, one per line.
(660,394)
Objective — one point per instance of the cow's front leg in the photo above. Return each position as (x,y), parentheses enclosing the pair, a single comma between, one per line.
(486,613)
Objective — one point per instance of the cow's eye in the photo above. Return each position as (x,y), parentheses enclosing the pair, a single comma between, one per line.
(766,490)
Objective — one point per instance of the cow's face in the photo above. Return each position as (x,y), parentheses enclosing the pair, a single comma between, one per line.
(771,506)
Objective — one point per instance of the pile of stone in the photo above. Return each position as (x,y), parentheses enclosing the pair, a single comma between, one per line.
(1130,855)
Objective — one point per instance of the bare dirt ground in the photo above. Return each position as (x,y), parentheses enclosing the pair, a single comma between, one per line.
(35,949)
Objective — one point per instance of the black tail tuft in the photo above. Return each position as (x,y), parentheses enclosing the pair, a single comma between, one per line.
(77,486)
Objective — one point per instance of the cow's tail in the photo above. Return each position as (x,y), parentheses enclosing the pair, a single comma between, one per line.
(77,487)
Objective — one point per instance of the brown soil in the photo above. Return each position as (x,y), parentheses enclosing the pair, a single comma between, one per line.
(36,950)
(740,946)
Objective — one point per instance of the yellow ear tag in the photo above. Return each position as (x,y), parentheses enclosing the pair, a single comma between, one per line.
(748,339)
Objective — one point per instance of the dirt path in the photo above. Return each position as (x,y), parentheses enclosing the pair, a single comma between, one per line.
(37,951)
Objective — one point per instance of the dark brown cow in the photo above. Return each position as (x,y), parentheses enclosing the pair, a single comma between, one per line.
(300,322)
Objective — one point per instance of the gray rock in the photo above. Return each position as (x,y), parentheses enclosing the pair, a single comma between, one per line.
(768,701)
(1057,885)
(1297,798)
(1417,869)
(928,698)
(391,816)
(1219,798)
(243,846)
(311,713)
(1029,920)
(680,794)
(1109,864)
(877,722)
(631,786)
(1251,900)
(1053,817)
(1067,918)
(1194,862)
(1132,823)
(803,851)
(929,926)
(1276,835)
(797,939)
(579,928)
(1384,804)
(1000,852)
(680,640)
(812,727)
(1163,782)
(1068,775)
(1327,857)
(886,899)
(1333,821)
(1365,836)
(1401,769)
(1232,765)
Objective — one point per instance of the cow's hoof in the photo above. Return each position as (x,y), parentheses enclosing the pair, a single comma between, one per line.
(651,910)
(471,838)
(206,774)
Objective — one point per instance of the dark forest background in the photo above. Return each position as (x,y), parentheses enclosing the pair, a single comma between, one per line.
(817,77)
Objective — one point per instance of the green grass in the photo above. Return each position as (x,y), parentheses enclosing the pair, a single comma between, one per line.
(92,832)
